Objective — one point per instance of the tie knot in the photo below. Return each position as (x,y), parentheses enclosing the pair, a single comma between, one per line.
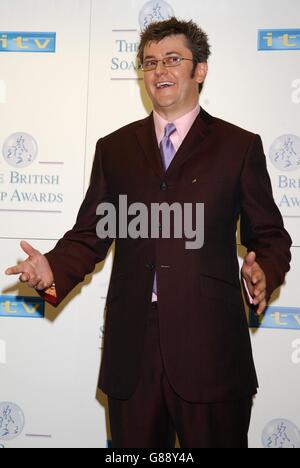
(169,130)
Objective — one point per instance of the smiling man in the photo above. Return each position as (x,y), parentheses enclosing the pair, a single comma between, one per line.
(177,354)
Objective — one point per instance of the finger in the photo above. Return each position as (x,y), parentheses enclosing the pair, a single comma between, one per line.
(33,282)
(261,308)
(256,278)
(258,275)
(28,249)
(41,286)
(260,287)
(45,283)
(250,259)
(257,292)
(257,300)
(24,278)
(15,270)
(249,263)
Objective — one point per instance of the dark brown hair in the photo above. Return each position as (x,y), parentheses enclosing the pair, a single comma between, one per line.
(197,39)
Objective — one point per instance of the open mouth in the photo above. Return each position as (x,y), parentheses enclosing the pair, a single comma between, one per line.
(164,84)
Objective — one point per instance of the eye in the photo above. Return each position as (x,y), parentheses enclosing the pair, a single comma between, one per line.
(150,64)
(174,60)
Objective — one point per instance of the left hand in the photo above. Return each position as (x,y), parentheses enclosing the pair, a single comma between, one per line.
(256,282)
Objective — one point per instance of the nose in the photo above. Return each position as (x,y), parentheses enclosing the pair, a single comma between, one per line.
(160,69)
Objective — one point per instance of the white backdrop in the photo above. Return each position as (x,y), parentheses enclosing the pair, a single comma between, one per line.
(64,100)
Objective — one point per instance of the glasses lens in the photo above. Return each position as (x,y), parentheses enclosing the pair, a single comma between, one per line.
(149,65)
(172,61)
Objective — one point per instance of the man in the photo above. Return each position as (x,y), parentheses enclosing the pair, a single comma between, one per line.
(177,353)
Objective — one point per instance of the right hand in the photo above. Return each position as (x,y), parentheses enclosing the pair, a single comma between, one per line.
(35,271)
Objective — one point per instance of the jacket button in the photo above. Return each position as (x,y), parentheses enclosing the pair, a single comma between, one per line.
(164,186)
(150,266)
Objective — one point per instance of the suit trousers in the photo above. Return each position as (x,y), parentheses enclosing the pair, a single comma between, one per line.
(153,415)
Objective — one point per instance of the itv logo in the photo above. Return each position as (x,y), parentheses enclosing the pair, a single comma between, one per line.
(26,307)
(27,42)
(284,318)
(279,39)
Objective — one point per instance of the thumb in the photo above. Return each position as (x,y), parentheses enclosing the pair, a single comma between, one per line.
(28,249)
(250,259)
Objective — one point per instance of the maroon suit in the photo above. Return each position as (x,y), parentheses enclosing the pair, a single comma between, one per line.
(204,335)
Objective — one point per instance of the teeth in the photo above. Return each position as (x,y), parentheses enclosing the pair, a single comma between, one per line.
(164,84)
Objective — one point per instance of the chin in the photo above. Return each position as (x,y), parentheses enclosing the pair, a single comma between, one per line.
(165,103)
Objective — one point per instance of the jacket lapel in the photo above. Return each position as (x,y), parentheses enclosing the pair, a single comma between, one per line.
(198,132)
(147,138)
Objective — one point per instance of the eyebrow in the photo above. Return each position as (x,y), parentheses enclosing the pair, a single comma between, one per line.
(168,53)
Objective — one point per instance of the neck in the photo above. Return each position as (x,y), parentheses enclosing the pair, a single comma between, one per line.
(170,115)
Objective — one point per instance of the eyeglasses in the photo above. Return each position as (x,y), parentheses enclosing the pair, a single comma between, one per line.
(168,62)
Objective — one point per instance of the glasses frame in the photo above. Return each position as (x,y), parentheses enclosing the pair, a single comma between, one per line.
(180,60)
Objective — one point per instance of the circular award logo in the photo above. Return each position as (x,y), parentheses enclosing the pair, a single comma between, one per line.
(285,153)
(157,10)
(12,421)
(20,150)
(281,433)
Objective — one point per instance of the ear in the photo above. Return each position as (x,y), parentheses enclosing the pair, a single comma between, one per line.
(201,72)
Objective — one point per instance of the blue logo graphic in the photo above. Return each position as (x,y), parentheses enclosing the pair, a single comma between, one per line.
(279,39)
(155,10)
(12,421)
(285,318)
(27,42)
(26,307)
(285,153)
(281,433)
(20,150)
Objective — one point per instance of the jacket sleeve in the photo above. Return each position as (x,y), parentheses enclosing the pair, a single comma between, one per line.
(262,228)
(77,253)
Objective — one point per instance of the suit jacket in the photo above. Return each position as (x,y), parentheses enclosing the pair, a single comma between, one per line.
(204,334)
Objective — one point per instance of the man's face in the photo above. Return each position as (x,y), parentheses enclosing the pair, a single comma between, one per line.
(181,94)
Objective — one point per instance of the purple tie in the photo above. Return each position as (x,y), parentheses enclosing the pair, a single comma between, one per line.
(166,146)
(167,153)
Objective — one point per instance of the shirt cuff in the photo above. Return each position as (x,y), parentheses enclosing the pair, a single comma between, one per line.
(50,295)
(250,298)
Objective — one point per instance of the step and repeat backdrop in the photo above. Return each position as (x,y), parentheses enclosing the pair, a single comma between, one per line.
(67,77)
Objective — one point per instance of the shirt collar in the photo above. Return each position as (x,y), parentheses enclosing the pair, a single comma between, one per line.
(183,124)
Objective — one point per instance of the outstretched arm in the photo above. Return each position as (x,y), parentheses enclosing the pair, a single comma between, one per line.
(262,229)
(77,253)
